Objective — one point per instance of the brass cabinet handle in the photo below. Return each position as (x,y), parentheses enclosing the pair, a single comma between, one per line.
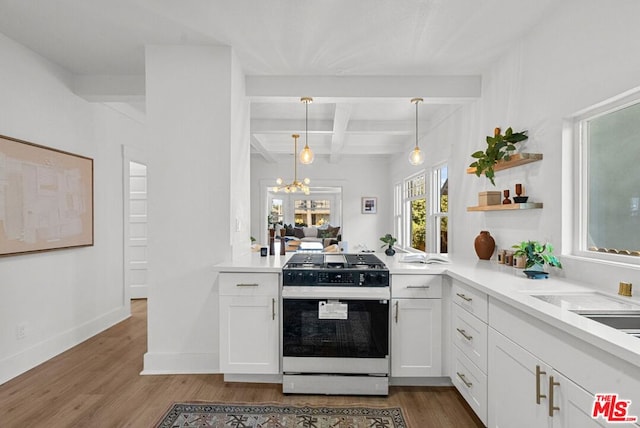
(397,310)
(551,406)
(538,395)
(247,285)
(464,380)
(418,286)
(273,308)
(464,334)
(463,297)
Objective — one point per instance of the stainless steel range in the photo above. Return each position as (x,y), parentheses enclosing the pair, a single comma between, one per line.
(335,325)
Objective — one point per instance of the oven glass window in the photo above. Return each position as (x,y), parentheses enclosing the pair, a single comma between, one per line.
(363,332)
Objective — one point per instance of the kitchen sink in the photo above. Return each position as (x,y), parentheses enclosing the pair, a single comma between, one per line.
(588,301)
(626,322)
(608,310)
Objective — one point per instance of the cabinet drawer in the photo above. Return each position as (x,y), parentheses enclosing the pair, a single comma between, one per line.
(416,286)
(470,335)
(248,284)
(470,299)
(471,383)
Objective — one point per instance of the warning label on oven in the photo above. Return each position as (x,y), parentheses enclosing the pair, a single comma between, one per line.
(332,310)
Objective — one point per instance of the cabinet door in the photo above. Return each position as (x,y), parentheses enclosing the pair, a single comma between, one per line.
(416,337)
(518,386)
(249,339)
(572,405)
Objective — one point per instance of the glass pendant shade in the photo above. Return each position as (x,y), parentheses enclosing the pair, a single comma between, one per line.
(306,155)
(416,157)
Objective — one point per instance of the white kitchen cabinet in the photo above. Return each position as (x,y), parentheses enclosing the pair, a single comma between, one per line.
(416,326)
(539,377)
(249,323)
(573,405)
(469,346)
(526,392)
(471,382)
(517,385)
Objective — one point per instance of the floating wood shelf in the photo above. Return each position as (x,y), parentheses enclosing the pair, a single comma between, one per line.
(506,207)
(516,160)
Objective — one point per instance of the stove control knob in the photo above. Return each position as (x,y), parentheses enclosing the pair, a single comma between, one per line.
(309,278)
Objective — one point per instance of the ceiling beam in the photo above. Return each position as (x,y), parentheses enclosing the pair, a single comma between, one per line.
(434,89)
(341,116)
(259,148)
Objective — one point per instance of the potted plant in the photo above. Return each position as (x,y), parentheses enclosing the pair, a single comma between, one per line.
(499,147)
(536,256)
(388,242)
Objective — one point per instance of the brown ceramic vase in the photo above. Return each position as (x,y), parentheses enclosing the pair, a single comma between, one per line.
(484,245)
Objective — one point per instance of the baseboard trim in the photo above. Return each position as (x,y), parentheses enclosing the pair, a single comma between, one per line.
(163,363)
(420,381)
(23,361)
(253,378)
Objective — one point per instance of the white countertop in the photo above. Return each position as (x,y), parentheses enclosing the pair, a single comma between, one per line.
(504,283)
(253,262)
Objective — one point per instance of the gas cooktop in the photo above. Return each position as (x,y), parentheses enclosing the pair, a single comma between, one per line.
(350,270)
(335,261)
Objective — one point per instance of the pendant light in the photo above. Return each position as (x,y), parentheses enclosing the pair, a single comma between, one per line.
(416,157)
(295,185)
(306,155)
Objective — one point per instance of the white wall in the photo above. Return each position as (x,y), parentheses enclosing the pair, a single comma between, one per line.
(196,117)
(358,177)
(65,296)
(577,56)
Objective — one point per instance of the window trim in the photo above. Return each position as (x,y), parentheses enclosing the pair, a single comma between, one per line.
(575,180)
(434,214)
(402,215)
(406,209)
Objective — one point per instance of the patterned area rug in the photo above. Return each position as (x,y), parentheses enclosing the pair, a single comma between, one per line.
(274,416)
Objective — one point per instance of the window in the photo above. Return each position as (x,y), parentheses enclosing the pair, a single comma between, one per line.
(607,185)
(421,218)
(439,218)
(277,212)
(312,212)
(415,199)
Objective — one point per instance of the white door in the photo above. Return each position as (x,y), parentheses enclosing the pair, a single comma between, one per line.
(136,240)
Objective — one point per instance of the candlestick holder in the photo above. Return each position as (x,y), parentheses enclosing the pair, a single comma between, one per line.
(506,199)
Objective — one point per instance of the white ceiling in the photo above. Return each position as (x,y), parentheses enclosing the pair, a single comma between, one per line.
(291,38)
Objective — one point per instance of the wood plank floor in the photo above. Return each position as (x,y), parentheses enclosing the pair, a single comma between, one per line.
(97,384)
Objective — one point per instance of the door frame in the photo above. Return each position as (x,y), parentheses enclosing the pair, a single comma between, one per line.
(128,155)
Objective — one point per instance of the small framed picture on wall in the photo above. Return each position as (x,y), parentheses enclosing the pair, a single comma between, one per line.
(369,205)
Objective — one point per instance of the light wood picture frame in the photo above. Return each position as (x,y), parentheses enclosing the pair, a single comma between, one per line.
(369,205)
(46,198)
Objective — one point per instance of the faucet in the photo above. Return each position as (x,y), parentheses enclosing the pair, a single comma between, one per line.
(624,289)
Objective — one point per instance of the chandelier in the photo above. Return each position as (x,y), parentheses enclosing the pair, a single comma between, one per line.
(416,157)
(295,186)
(306,155)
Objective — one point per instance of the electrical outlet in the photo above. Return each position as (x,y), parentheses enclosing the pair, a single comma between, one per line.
(21,331)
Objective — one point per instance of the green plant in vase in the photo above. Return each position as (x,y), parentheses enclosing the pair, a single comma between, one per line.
(499,147)
(536,255)
(388,240)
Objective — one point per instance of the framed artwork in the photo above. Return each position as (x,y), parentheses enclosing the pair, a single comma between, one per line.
(369,205)
(46,198)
